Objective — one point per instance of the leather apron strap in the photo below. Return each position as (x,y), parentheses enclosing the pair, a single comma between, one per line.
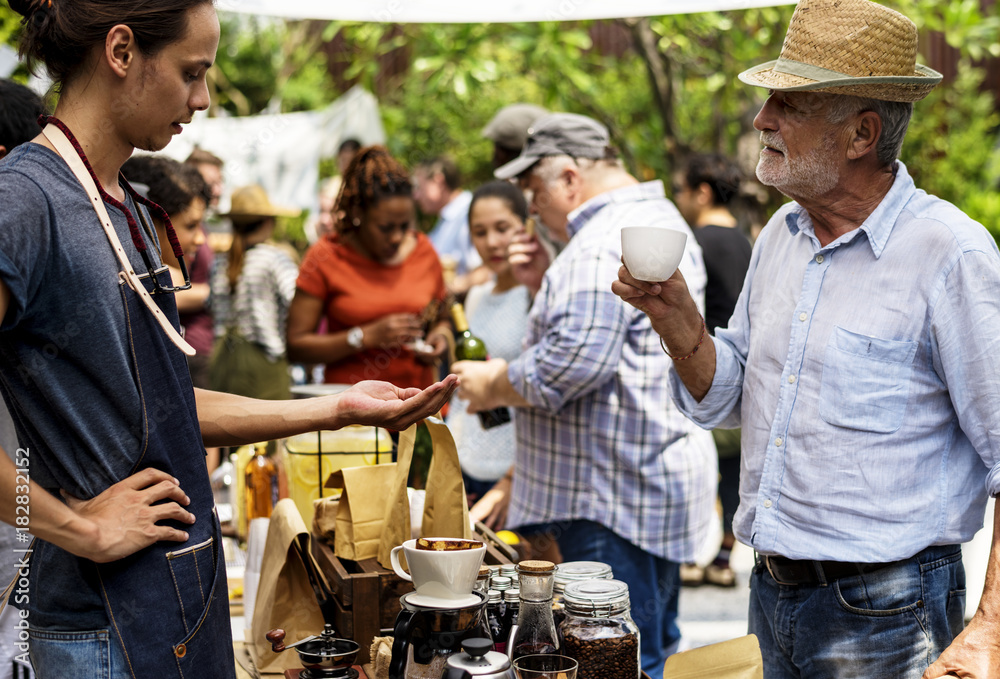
(65,149)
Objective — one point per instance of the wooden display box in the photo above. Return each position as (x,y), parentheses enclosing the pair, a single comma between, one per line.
(365,596)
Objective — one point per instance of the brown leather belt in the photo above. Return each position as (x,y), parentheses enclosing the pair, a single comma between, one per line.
(795,572)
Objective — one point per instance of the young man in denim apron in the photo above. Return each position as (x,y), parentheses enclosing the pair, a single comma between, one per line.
(126,577)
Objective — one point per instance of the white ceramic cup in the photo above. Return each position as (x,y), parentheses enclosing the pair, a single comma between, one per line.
(439,576)
(652,253)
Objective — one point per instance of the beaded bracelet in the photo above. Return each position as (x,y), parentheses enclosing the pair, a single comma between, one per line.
(694,351)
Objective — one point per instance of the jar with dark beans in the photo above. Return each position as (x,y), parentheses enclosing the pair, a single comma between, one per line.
(598,631)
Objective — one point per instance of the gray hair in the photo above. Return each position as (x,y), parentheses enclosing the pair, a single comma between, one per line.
(549,168)
(895,116)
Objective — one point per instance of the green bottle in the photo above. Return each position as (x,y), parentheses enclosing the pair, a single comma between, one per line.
(468,347)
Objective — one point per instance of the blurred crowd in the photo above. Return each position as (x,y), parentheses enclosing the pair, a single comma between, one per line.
(372,297)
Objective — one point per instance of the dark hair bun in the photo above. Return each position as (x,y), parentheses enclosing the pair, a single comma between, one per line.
(23,7)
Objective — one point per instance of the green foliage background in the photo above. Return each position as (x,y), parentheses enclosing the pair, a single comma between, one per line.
(454,77)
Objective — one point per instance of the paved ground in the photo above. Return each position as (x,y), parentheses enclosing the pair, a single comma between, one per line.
(710,614)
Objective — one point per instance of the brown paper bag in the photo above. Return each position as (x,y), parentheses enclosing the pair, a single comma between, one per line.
(325,518)
(446,514)
(734,659)
(361,510)
(285,596)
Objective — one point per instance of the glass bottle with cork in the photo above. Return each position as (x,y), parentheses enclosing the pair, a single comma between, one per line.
(535,631)
(483,581)
(468,347)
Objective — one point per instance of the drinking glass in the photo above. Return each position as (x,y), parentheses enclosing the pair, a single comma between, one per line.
(545,666)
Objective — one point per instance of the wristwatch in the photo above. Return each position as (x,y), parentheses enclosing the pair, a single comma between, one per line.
(356,338)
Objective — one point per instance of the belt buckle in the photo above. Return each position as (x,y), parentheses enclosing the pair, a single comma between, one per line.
(767,563)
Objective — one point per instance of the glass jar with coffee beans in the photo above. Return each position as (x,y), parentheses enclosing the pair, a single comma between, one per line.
(598,631)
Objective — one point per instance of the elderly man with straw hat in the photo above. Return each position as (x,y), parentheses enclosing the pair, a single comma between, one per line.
(862,361)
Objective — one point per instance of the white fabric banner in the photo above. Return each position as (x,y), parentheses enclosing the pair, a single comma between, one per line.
(282,152)
(463,11)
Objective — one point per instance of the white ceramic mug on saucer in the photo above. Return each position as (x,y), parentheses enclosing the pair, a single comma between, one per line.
(443,576)
(652,253)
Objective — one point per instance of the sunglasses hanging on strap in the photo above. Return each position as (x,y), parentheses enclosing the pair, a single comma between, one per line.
(67,147)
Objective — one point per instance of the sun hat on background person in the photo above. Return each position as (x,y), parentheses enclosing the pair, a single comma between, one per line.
(851,47)
(251,202)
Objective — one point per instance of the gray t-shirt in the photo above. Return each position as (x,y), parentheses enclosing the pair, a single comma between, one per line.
(65,364)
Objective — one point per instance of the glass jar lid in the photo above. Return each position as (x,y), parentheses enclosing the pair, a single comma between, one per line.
(500,582)
(598,598)
(571,571)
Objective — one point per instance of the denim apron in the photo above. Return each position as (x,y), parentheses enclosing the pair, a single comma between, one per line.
(168,604)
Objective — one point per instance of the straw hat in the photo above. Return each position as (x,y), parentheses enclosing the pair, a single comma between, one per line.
(852,47)
(251,202)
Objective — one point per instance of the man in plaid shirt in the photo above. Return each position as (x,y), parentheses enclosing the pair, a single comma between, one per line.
(604,460)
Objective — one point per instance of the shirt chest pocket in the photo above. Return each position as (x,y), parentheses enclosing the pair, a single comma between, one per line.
(866,381)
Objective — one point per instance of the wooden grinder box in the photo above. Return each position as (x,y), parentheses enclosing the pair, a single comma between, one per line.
(365,596)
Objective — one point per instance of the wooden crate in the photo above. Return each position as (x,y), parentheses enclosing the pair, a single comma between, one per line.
(365,596)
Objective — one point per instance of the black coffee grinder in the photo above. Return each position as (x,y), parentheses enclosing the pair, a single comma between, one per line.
(424,637)
(323,656)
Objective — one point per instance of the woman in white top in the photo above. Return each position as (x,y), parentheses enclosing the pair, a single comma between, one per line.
(497,312)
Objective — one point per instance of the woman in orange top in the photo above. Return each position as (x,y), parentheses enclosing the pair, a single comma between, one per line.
(377,280)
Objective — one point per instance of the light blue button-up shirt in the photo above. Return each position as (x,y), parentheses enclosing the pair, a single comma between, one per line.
(450,235)
(866,376)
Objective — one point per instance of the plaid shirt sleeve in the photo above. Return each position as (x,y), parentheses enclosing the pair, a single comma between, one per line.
(582,340)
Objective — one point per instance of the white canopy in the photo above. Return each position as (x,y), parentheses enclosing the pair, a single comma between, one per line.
(464,11)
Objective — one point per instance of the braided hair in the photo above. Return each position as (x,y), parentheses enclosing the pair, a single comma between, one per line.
(372,176)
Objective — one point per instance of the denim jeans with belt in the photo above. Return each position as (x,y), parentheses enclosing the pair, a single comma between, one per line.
(892,622)
(77,655)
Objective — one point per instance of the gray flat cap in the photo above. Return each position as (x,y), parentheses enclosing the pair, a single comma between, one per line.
(559,134)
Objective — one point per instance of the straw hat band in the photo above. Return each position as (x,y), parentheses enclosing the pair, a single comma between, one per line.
(826,75)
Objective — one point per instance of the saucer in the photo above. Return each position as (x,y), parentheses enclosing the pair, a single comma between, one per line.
(445,604)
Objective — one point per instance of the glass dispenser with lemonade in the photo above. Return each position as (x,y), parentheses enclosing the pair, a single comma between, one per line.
(310,458)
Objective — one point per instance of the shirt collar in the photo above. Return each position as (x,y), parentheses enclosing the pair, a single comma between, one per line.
(457,208)
(627,194)
(880,222)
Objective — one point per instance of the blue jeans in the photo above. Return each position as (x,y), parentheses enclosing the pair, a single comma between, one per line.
(893,622)
(653,584)
(77,655)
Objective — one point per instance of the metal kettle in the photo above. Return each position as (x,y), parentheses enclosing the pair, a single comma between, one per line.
(477,660)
